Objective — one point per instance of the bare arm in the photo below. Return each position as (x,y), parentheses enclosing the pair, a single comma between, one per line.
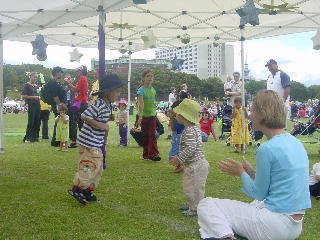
(140,109)
(25,97)
(213,132)
(286,92)
(317,177)
(57,100)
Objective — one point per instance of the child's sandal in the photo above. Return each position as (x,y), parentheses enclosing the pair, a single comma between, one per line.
(78,196)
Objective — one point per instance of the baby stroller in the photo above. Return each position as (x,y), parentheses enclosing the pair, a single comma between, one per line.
(310,128)
(255,136)
(226,120)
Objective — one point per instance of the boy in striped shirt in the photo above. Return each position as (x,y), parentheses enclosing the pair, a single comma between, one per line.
(191,156)
(91,138)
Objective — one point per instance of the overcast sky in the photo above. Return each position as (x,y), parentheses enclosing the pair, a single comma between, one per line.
(294,54)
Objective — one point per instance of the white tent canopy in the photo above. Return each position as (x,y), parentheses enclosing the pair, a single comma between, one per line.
(74,22)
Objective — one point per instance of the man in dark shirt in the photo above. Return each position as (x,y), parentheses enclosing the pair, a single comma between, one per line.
(33,101)
(58,94)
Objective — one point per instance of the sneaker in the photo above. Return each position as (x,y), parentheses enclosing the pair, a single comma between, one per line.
(184,208)
(26,141)
(156,158)
(72,145)
(189,213)
(76,193)
(318,197)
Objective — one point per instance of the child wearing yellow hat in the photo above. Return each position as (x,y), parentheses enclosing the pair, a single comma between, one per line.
(191,155)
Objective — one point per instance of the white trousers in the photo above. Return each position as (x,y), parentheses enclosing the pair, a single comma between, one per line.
(221,217)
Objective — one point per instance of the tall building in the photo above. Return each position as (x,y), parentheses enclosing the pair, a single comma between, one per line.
(203,60)
(121,65)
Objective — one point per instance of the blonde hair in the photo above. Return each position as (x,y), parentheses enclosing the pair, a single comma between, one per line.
(229,78)
(183,86)
(270,107)
(29,74)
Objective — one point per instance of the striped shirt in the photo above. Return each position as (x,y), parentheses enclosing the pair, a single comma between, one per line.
(190,146)
(90,136)
(121,116)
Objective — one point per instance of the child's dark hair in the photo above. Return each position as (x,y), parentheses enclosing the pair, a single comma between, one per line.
(63,107)
(237,100)
(176,103)
(205,112)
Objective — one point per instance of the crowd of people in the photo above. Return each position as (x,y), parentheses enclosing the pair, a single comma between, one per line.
(279,185)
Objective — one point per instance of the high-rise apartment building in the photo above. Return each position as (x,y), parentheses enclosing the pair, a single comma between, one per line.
(203,60)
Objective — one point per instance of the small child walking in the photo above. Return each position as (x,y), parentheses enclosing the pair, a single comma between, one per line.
(191,155)
(62,121)
(122,122)
(91,138)
(207,127)
(176,132)
(237,138)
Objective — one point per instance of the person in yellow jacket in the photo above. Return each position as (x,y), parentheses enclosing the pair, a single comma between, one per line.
(44,118)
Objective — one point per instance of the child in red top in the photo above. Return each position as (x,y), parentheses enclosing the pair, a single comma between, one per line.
(207,127)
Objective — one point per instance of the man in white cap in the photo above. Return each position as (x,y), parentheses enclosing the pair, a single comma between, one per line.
(278,80)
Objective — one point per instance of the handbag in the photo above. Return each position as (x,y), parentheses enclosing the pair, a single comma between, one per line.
(75,107)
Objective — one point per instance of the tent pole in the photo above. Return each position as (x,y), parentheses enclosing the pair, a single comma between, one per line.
(1,90)
(129,93)
(101,43)
(242,91)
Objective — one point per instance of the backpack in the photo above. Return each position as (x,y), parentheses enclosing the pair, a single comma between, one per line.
(46,95)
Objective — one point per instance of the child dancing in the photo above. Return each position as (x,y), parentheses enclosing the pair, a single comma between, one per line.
(62,121)
(122,122)
(237,133)
(91,138)
(191,155)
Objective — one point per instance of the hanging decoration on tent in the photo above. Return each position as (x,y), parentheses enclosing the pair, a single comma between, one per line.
(316,40)
(39,48)
(273,9)
(122,49)
(177,63)
(149,40)
(185,38)
(248,14)
(75,55)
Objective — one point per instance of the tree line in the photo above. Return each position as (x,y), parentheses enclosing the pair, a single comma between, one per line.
(14,77)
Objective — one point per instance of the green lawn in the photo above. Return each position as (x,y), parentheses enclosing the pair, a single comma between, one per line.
(139,199)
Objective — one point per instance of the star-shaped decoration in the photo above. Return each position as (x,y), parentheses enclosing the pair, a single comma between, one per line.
(316,40)
(149,40)
(177,63)
(75,55)
(39,48)
(249,14)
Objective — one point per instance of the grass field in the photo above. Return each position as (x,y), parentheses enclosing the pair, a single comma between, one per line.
(139,199)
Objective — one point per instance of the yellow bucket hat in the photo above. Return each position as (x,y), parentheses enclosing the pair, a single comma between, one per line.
(189,109)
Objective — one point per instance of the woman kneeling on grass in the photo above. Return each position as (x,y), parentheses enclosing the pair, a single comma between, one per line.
(279,185)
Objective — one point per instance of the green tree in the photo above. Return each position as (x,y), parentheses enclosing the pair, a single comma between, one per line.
(298,91)
(212,88)
(314,91)
(253,87)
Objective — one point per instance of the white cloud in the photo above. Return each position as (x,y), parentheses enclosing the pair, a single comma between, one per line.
(299,62)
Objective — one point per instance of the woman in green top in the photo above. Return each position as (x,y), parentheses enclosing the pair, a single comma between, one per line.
(147,116)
